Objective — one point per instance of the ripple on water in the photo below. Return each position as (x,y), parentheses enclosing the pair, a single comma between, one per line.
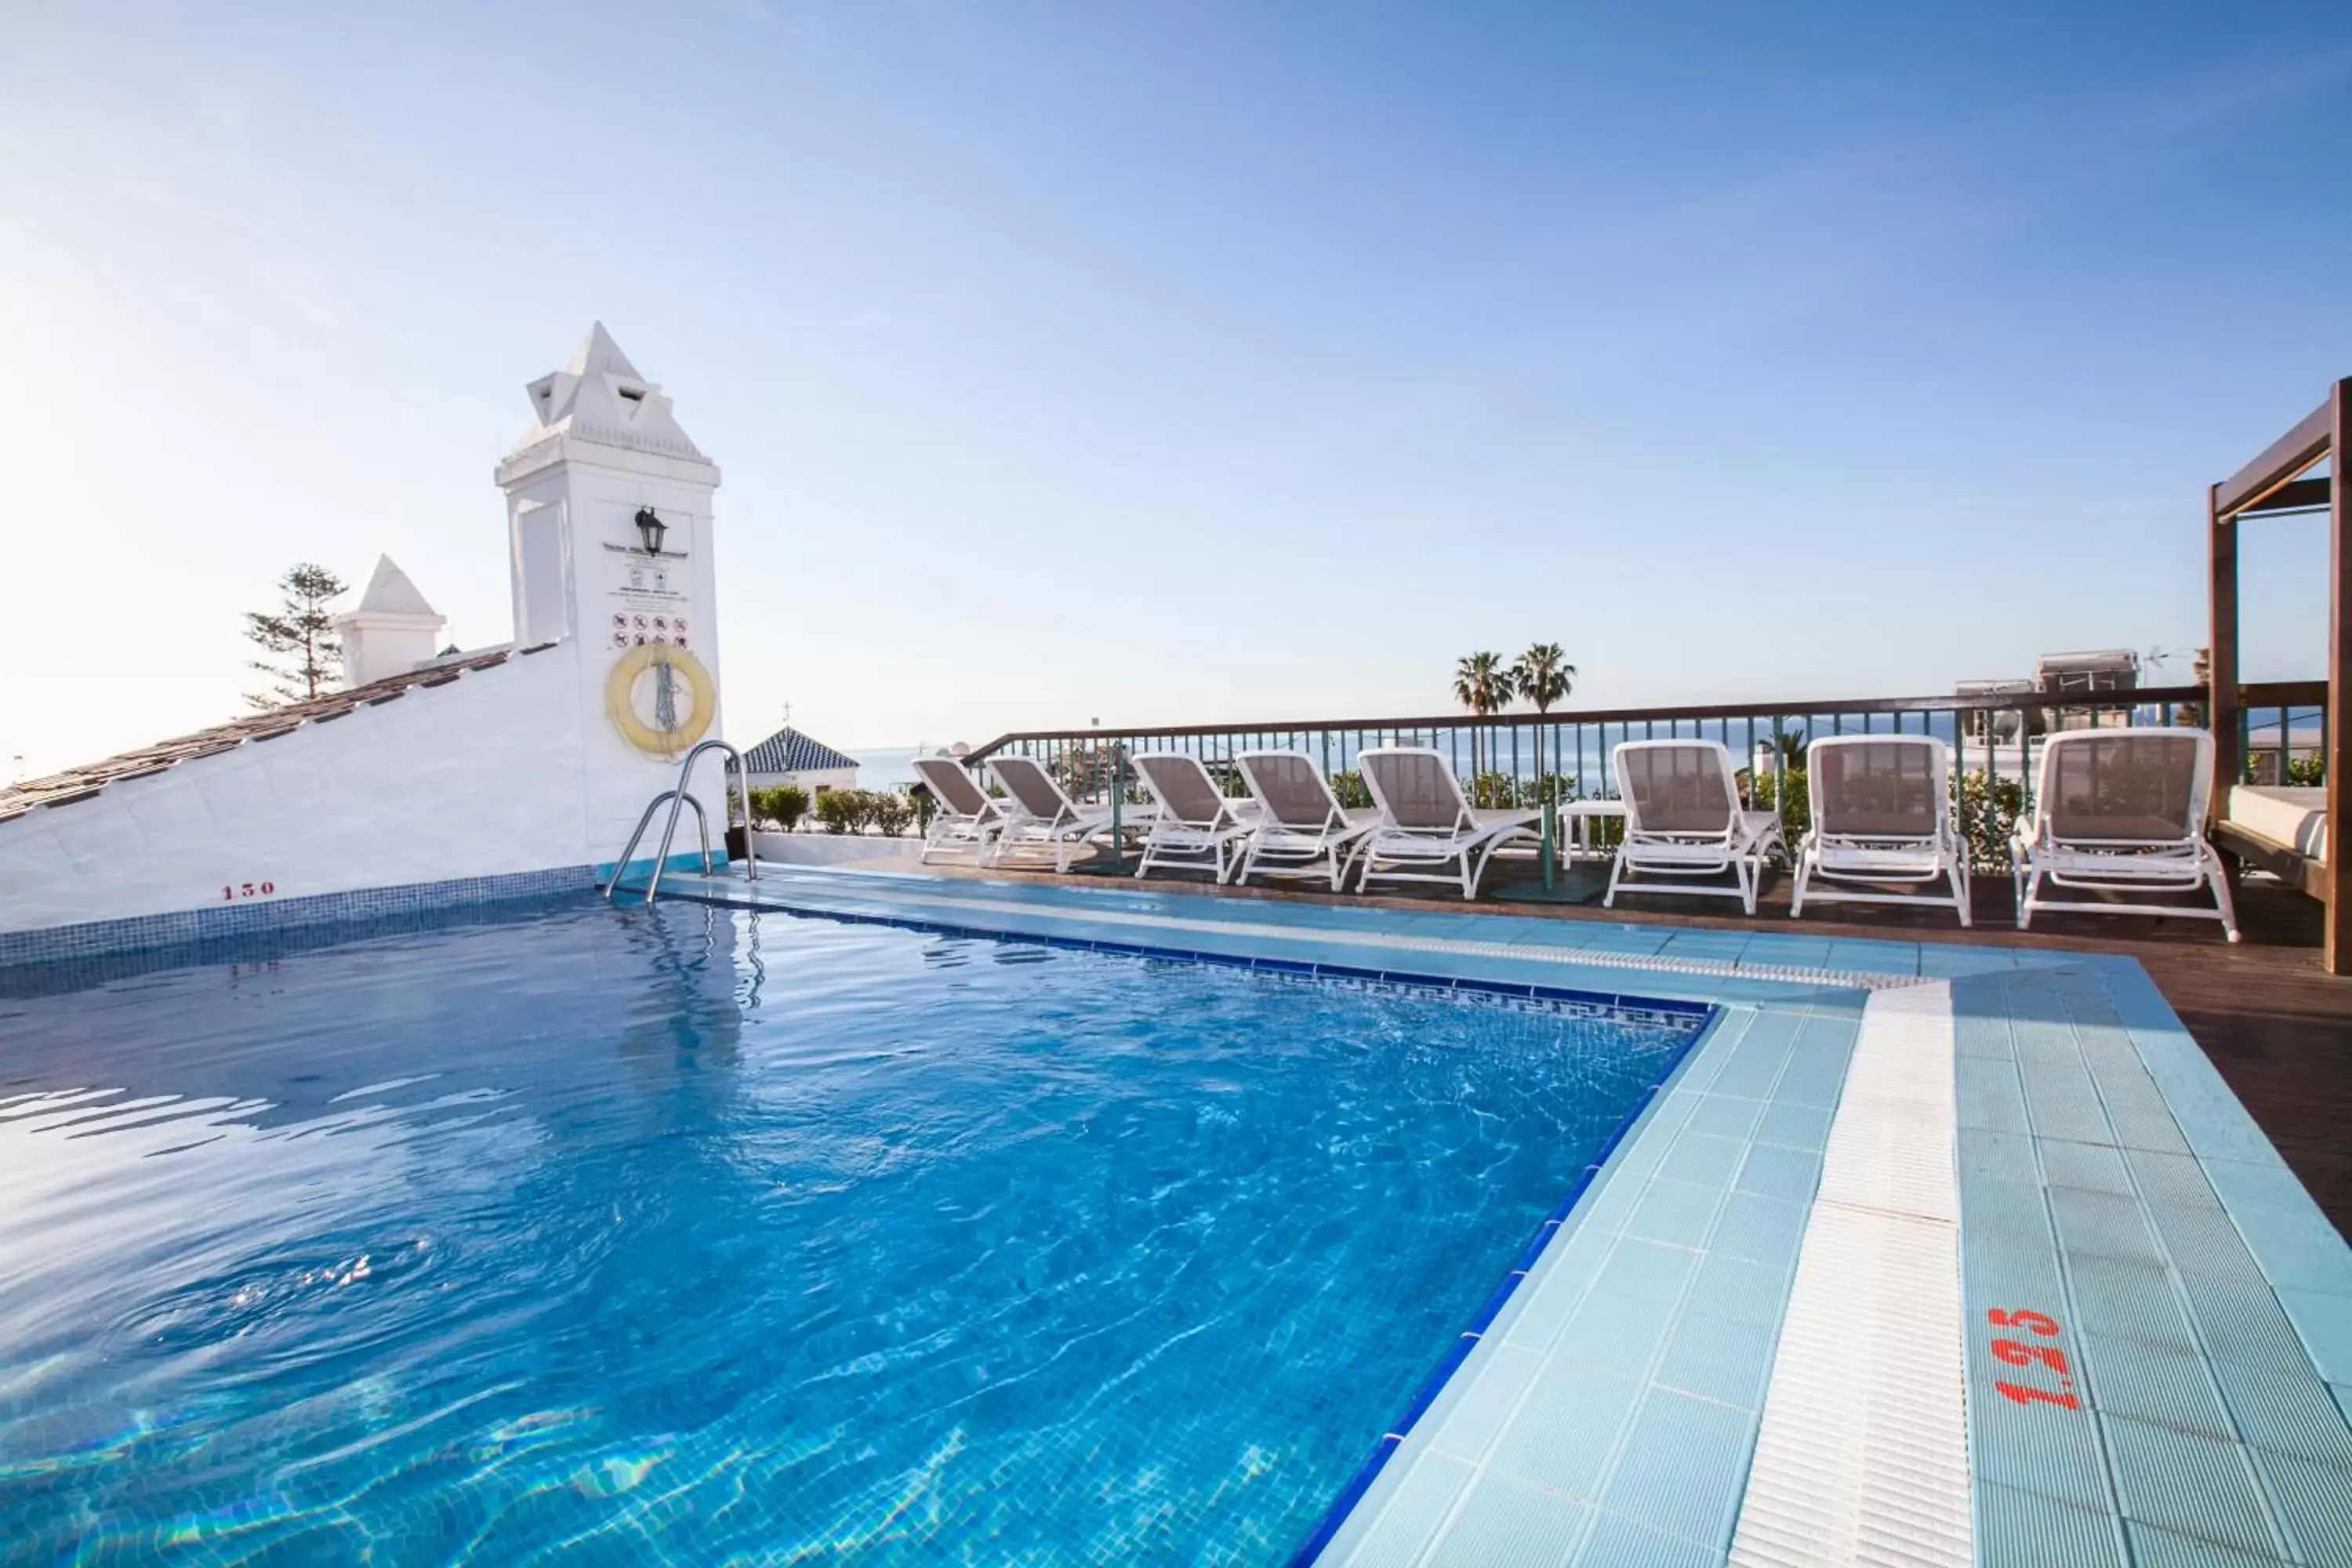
(697,1236)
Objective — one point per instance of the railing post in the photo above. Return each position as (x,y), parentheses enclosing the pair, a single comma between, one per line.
(1118,800)
(1779,780)
(1547,807)
(2337,872)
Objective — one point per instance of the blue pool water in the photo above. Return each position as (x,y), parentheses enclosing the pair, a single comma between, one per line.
(676,1235)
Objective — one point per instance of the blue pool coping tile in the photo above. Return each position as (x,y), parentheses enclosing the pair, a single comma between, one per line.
(1631,1332)
(2108,1179)
(1442,1376)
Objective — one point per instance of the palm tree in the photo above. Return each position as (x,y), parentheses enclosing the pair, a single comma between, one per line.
(1484,686)
(1543,676)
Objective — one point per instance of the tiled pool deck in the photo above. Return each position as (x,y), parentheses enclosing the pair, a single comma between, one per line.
(2172,1381)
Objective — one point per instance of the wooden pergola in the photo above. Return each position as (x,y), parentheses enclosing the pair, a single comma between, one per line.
(2276,483)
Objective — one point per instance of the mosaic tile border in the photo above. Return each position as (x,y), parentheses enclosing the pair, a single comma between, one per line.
(758,896)
(59,976)
(1654,1010)
(180,928)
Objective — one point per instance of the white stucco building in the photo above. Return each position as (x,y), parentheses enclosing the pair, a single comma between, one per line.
(531,760)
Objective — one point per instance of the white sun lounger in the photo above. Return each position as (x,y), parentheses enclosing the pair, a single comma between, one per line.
(1427,824)
(1883,830)
(2122,811)
(1038,816)
(967,821)
(1301,830)
(1196,821)
(1683,819)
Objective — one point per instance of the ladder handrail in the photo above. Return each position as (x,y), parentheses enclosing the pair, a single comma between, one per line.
(669,829)
(702,830)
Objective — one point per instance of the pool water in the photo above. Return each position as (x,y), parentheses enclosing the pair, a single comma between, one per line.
(680,1234)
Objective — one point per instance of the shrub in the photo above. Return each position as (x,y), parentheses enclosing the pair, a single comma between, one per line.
(1534,793)
(1351,789)
(1765,794)
(1493,791)
(2309,771)
(924,804)
(1987,813)
(888,812)
(1987,810)
(783,805)
(1504,792)
(841,810)
(1227,776)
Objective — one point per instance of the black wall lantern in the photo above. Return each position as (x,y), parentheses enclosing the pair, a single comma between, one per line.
(650,527)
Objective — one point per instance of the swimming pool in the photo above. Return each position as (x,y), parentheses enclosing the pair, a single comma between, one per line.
(682,1233)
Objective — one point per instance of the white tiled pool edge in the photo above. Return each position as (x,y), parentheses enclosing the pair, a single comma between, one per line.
(1862,1453)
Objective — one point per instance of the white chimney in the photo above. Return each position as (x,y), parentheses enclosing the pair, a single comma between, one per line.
(392,631)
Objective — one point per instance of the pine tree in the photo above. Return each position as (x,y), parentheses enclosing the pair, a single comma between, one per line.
(310,657)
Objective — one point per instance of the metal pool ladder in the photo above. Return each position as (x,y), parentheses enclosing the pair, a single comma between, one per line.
(678,799)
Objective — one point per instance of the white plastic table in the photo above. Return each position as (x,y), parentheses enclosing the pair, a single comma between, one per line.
(1576,843)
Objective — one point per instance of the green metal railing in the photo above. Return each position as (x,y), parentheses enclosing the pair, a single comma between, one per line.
(1992,735)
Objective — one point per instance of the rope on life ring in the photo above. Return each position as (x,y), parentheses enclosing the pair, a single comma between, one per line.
(621,683)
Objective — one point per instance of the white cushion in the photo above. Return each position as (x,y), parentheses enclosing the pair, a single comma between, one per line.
(2296,818)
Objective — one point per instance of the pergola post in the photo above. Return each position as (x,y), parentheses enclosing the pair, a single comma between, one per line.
(2338,867)
(2222,658)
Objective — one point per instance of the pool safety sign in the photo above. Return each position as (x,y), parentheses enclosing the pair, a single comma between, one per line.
(648,603)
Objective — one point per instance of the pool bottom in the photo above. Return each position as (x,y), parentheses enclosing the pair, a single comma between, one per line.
(415,1242)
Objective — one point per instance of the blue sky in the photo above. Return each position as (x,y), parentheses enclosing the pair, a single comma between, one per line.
(1181,362)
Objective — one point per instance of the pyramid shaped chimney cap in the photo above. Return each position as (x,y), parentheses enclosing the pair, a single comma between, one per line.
(598,355)
(599,397)
(390,593)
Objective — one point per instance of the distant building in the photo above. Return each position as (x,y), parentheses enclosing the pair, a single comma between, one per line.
(789,757)
(2099,673)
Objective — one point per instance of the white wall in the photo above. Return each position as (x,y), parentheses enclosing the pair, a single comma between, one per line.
(809,779)
(595,491)
(478,778)
(903,854)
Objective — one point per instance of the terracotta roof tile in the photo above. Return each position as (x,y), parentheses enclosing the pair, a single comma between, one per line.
(85,781)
